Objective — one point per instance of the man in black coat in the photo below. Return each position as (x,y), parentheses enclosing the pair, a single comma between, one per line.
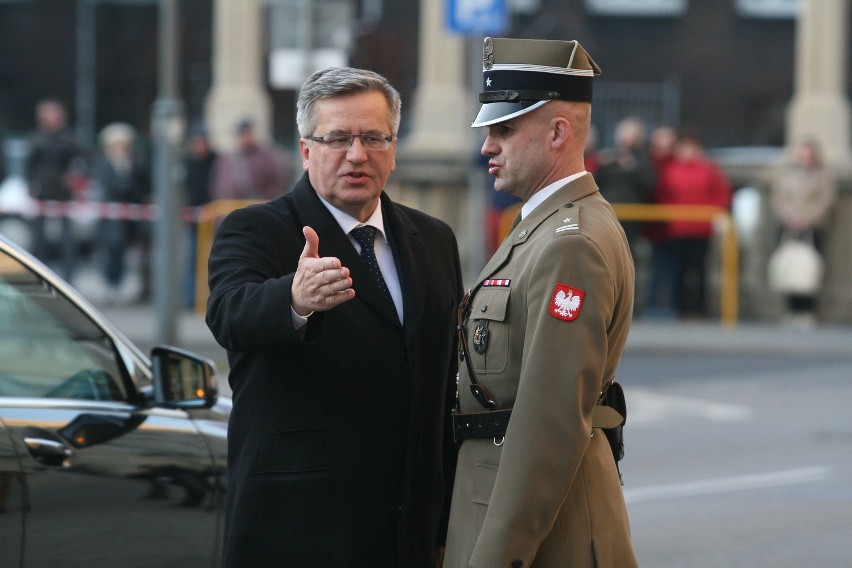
(55,159)
(343,372)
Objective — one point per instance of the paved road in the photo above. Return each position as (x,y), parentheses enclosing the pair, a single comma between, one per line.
(739,446)
(739,441)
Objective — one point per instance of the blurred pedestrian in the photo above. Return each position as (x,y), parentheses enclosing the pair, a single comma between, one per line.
(253,170)
(690,178)
(199,162)
(121,176)
(591,158)
(337,308)
(659,298)
(55,162)
(542,332)
(626,174)
(661,146)
(802,194)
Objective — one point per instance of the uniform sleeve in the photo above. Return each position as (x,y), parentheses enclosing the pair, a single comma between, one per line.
(562,370)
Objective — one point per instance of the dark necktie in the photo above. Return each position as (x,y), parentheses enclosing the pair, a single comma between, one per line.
(366,236)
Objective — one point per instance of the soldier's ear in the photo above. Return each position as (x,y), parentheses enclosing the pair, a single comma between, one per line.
(560,129)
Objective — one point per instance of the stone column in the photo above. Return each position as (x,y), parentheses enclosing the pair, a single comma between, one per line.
(820,107)
(441,117)
(238,89)
(434,161)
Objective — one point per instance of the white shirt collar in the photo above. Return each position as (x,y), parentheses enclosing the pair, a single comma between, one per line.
(539,196)
(348,222)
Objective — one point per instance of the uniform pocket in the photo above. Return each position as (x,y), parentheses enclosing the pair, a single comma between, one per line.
(488,333)
(484,477)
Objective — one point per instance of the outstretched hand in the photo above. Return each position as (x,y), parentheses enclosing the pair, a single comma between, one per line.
(320,283)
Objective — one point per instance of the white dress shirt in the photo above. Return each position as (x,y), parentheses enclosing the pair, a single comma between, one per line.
(384,254)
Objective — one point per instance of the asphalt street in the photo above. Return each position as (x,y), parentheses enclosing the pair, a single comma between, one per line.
(738,440)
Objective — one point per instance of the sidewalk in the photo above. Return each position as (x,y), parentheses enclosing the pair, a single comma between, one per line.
(709,336)
(668,338)
(752,337)
(139,323)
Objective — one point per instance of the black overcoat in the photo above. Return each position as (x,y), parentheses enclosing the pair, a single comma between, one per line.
(339,451)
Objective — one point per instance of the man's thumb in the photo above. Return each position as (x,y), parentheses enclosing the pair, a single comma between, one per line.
(311,249)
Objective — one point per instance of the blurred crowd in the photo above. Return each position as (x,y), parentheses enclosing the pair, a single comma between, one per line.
(642,165)
(667,167)
(663,165)
(60,171)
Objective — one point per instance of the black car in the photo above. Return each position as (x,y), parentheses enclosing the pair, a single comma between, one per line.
(108,457)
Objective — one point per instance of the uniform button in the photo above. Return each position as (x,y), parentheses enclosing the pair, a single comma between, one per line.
(522,234)
(484,309)
(517,563)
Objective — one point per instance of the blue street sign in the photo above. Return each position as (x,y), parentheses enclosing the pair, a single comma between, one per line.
(477,17)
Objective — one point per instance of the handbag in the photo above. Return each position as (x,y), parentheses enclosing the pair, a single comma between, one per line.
(795,266)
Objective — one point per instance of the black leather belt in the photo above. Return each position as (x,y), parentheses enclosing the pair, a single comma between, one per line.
(493,423)
(490,424)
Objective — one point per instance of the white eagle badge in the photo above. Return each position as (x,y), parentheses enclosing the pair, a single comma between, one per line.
(566,302)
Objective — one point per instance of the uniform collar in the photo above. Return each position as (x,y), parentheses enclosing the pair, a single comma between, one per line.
(541,195)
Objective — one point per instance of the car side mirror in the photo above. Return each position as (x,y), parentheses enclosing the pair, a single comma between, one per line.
(183,379)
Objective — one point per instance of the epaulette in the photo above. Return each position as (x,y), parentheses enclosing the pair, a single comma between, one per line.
(567,220)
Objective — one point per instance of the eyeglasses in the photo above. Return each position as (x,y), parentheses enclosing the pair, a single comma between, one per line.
(343,141)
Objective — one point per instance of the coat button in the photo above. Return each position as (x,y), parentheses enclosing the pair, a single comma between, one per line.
(517,563)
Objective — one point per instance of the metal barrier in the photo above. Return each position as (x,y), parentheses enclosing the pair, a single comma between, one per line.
(729,297)
(208,217)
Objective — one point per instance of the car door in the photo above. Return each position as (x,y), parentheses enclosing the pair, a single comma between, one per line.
(11,496)
(107,478)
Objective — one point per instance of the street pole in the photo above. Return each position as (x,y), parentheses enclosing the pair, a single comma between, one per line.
(85,83)
(168,131)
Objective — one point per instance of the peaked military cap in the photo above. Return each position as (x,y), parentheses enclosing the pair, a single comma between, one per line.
(520,75)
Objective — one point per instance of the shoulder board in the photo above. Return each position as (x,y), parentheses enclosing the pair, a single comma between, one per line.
(566,221)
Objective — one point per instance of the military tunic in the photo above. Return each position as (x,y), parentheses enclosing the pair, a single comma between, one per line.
(549,318)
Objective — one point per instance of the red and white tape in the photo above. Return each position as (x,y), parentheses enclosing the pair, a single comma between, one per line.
(92,210)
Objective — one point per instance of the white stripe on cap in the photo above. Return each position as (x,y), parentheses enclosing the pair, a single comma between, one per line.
(540,69)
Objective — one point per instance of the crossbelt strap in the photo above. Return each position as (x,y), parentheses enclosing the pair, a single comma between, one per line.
(477,389)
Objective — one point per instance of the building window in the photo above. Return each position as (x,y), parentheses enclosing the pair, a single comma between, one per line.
(784,9)
(652,8)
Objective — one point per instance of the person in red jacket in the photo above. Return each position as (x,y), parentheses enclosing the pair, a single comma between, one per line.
(689,179)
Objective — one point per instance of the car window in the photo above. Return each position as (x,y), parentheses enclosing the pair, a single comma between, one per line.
(48,346)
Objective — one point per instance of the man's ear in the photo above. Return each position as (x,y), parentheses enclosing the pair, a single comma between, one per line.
(304,150)
(561,131)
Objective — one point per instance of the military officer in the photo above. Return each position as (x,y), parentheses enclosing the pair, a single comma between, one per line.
(543,330)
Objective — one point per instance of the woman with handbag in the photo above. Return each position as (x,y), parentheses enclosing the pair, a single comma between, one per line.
(803,192)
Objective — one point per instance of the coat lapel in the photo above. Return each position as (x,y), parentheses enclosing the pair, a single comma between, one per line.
(408,248)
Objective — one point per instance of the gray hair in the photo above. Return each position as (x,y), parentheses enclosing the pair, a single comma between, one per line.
(342,81)
(117,132)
